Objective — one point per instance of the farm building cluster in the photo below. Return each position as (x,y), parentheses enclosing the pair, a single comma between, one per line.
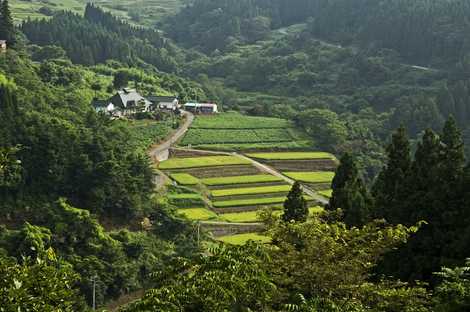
(127,102)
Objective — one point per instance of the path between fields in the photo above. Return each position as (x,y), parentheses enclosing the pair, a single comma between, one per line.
(161,152)
(267,169)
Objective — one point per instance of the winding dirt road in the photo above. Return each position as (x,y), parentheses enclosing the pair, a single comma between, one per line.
(161,152)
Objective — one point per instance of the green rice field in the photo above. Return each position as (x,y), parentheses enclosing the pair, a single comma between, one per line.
(206,161)
(234,131)
(241,217)
(292,155)
(241,179)
(251,201)
(230,136)
(233,120)
(184,178)
(311,177)
(242,239)
(251,190)
(197,214)
(326,193)
(253,216)
(248,202)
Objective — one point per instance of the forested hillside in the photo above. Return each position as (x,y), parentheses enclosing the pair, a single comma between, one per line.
(99,36)
(422,32)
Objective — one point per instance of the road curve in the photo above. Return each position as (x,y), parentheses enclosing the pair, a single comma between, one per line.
(160,152)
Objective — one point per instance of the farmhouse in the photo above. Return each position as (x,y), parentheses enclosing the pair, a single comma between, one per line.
(201,108)
(129,101)
(3,45)
(164,102)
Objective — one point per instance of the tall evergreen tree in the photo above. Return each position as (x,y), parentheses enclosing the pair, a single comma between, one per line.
(350,193)
(295,206)
(7,28)
(453,151)
(391,185)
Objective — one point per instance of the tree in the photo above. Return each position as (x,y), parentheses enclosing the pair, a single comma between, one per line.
(350,193)
(96,87)
(121,79)
(7,28)
(295,206)
(452,294)
(229,278)
(390,186)
(453,153)
(324,126)
(43,284)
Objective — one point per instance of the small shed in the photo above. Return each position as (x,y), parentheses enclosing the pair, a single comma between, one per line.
(201,108)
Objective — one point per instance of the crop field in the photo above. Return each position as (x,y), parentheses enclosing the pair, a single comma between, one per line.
(252,190)
(241,179)
(234,131)
(326,193)
(315,210)
(145,12)
(311,177)
(206,161)
(242,239)
(242,217)
(231,136)
(234,120)
(144,133)
(291,155)
(251,201)
(197,214)
(298,144)
(248,202)
(186,200)
(221,171)
(184,179)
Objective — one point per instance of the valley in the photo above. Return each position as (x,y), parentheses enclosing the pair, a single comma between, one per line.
(226,186)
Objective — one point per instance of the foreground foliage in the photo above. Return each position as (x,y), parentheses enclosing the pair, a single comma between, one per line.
(264,278)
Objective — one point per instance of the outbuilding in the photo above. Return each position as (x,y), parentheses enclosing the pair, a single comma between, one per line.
(201,108)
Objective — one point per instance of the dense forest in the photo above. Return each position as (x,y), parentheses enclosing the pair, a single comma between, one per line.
(381,84)
(422,32)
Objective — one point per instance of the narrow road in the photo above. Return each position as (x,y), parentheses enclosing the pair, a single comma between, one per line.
(267,169)
(160,152)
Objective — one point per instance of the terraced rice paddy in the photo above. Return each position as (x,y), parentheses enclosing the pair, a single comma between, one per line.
(291,155)
(233,120)
(206,161)
(326,193)
(242,239)
(198,214)
(249,202)
(311,177)
(247,179)
(184,179)
(186,200)
(252,190)
(233,131)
